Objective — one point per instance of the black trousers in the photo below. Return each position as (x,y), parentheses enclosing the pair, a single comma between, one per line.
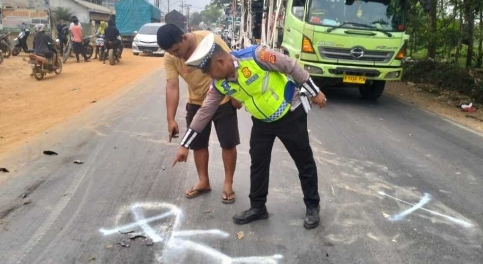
(79,48)
(292,131)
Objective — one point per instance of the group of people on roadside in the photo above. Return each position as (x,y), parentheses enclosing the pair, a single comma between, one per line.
(106,30)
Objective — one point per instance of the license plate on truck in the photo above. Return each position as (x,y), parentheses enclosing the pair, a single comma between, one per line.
(354,79)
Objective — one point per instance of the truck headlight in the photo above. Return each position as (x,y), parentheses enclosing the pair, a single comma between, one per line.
(313,70)
(394,74)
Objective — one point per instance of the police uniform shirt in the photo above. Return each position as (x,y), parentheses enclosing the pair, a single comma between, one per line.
(270,60)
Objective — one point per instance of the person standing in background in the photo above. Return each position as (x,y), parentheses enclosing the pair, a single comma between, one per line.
(62,32)
(76,30)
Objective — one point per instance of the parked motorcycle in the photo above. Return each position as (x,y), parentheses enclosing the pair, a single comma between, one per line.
(41,66)
(111,52)
(86,42)
(5,45)
(20,42)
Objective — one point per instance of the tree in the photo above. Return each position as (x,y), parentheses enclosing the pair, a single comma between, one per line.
(433,29)
(62,13)
(469,15)
(211,14)
(195,19)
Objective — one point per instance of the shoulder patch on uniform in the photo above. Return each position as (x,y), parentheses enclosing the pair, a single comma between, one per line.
(246,72)
(267,56)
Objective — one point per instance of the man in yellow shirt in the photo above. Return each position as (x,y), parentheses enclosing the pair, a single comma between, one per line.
(179,47)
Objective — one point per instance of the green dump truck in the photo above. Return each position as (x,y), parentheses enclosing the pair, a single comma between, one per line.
(357,43)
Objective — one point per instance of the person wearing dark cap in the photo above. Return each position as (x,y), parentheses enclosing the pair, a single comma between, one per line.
(179,46)
(257,77)
(112,34)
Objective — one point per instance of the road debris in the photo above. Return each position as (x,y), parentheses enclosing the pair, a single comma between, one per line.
(163,168)
(91,259)
(328,244)
(50,152)
(468,107)
(149,242)
(4,170)
(123,244)
(94,101)
(207,211)
(136,235)
(24,195)
(109,246)
(78,162)
(126,231)
(240,235)
(27,202)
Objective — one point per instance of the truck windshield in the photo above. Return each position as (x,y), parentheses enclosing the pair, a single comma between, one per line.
(149,30)
(387,15)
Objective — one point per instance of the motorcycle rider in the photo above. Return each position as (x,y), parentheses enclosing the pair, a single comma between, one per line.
(112,34)
(101,31)
(43,45)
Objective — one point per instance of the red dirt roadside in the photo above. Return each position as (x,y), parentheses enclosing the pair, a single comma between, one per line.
(28,106)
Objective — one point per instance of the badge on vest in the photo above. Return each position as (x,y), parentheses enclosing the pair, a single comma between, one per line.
(246,72)
(252,79)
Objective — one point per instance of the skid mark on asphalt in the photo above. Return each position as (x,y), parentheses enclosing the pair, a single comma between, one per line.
(164,228)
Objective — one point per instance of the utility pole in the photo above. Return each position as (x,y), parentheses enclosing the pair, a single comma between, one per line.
(182,7)
(188,17)
(168,6)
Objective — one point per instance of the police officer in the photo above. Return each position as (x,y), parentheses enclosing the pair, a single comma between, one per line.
(257,77)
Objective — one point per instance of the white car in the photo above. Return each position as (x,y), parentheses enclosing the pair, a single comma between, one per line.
(145,40)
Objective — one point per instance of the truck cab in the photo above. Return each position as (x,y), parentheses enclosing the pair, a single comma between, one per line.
(354,43)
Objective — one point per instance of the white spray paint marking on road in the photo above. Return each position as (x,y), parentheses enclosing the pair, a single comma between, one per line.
(397,217)
(175,241)
(450,218)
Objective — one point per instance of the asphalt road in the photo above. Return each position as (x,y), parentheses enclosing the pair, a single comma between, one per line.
(398,185)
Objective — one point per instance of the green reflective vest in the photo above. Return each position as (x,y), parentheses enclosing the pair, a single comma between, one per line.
(266,95)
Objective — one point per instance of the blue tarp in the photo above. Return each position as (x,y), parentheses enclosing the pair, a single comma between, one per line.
(132,14)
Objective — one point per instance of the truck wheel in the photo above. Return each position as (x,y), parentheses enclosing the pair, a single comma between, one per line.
(372,90)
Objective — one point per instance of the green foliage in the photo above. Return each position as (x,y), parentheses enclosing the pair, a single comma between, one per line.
(211,14)
(195,19)
(444,76)
(62,13)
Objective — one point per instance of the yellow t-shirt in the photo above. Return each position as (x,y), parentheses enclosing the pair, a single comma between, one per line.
(198,83)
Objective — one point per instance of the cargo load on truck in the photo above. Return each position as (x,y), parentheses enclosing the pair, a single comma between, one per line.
(131,15)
